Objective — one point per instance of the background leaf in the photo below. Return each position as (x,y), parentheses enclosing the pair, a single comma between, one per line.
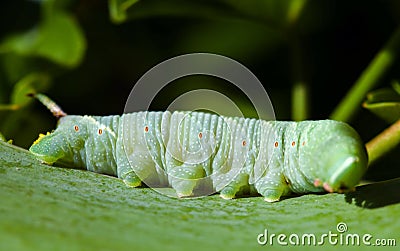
(118,9)
(2,138)
(33,83)
(384,103)
(57,38)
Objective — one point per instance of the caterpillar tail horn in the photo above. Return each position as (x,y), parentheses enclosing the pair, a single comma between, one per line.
(50,104)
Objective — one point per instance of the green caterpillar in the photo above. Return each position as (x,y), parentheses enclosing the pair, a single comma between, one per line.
(199,153)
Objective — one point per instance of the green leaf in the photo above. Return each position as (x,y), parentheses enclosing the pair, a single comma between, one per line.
(58,38)
(388,111)
(32,83)
(384,103)
(2,138)
(61,40)
(50,208)
(396,86)
(118,9)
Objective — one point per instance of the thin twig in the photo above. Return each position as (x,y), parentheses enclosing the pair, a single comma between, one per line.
(383,142)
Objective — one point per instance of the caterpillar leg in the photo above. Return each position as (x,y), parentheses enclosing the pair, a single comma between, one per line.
(135,169)
(185,178)
(230,191)
(124,170)
(272,187)
(131,179)
(126,173)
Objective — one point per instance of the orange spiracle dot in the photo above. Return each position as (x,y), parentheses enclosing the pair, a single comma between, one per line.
(244,143)
(76,128)
(293,143)
(146,128)
(304,143)
(276,144)
(100,131)
(200,135)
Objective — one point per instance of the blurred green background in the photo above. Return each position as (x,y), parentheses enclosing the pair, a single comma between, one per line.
(88,54)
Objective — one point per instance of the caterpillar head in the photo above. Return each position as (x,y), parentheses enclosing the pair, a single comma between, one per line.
(339,158)
(60,144)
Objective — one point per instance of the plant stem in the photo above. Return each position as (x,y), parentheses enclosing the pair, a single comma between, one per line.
(368,79)
(300,101)
(300,88)
(383,142)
